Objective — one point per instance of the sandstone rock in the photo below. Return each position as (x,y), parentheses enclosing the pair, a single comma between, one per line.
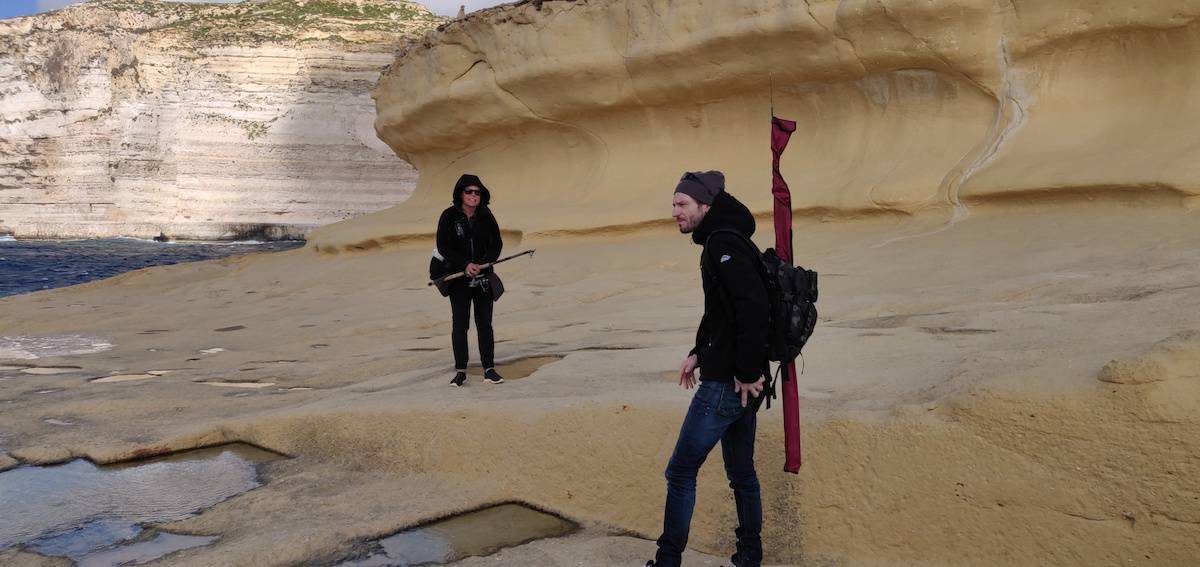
(21,558)
(218,121)
(583,114)
(42,455)
(1175,357)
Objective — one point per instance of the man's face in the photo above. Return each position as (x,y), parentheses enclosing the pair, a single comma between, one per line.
(687,212)
(471,196)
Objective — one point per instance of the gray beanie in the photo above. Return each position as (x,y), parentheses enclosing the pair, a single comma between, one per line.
(702,186)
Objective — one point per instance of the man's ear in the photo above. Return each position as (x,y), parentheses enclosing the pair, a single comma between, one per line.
(704,208)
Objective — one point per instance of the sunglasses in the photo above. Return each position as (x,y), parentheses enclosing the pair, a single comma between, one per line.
(471,192)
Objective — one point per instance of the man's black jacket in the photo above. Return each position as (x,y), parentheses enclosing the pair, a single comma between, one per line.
(461,241)
(732,339)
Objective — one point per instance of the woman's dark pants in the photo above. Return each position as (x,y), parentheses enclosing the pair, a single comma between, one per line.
(716,414)
(461,297)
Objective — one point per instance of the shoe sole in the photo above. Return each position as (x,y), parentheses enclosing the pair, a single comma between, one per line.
(493,381)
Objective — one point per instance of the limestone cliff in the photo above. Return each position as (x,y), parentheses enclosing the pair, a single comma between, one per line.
(583,114)
(135,117)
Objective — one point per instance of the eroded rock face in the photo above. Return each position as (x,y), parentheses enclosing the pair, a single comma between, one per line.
(1176,357)
(583,114)
(253,120)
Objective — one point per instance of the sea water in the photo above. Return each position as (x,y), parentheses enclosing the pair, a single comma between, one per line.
(33,265)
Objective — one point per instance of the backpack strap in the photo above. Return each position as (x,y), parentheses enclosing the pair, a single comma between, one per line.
(739,235)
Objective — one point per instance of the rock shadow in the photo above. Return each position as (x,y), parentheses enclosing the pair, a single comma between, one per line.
(957,331)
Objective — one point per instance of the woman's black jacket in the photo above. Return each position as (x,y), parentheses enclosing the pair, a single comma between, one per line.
(461,241)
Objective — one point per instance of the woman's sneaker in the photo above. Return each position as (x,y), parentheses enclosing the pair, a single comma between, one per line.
(493,377)
(459,379)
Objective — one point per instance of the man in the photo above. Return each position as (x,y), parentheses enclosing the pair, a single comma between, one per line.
(731,354)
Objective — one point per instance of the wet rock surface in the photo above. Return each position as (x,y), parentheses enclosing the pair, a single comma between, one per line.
(477,533)
(29,347)
(85,512)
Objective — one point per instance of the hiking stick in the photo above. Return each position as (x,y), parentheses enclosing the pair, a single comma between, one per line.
(441,282)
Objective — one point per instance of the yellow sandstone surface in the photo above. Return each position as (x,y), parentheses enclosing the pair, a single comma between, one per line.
(996,196)
(959,404)
(589,110)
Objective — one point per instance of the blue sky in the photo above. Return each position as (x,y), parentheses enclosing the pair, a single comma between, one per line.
(13,8)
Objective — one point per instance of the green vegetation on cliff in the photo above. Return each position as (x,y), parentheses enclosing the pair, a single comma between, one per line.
(281,21)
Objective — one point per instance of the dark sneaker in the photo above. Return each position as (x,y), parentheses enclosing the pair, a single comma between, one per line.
(650,563)
(493,377)
(736,561)
(459,379)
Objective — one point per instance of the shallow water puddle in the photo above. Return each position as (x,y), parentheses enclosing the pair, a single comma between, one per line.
(140,552)
(478,533)
(130,377)
(50,370)
(122,378)
(88,512)
(249,385)
(519,368)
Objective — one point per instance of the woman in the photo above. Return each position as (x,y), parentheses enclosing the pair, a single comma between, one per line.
(467,237)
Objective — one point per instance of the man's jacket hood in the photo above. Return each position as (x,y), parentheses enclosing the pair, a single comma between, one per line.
(726,212)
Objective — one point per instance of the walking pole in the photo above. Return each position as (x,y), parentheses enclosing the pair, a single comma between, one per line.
(441,282)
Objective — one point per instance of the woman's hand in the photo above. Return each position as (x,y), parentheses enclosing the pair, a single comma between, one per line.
(473,270)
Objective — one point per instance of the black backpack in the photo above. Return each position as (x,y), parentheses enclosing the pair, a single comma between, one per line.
(791,294)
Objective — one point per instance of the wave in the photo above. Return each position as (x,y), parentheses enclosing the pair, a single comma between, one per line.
(147,240)
(9,238)
(204,242)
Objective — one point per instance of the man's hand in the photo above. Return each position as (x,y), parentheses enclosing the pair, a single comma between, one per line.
(754,390)
(472,270)
(687,372)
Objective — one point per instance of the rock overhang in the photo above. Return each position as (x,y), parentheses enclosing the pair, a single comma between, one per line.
(583,114)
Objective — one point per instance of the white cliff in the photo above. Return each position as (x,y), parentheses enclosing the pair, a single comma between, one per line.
(135,117)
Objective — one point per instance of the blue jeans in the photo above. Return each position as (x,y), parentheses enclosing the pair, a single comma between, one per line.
(716,414)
